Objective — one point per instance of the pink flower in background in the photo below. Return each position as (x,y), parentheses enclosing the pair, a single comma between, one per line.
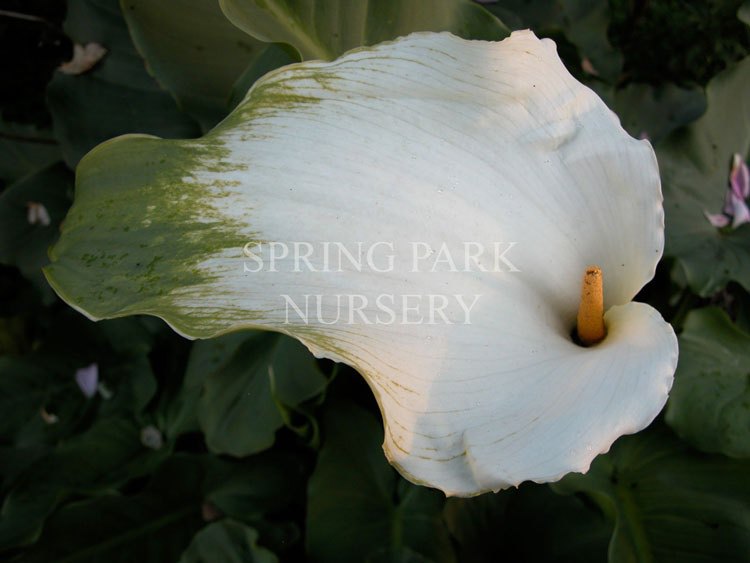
(735,210)
(37,214)
(88,380)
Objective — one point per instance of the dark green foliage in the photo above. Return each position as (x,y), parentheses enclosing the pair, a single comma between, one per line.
(669,502)
(33,45)
(680,41)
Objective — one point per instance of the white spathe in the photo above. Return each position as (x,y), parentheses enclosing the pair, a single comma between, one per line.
(437,140)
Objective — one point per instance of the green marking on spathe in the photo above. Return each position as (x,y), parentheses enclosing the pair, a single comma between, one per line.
(135,197)
(147,215)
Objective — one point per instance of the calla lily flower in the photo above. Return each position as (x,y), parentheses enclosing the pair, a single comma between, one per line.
(735,210)
(424,211)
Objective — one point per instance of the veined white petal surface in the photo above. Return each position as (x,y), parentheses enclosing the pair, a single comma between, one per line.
(480,179)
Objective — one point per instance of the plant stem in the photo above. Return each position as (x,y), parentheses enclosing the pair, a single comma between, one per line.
(21,16)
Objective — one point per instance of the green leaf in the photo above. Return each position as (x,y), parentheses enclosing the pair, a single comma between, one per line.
(178,414)
(257,487)
(41,384)
(237,411)
(117,96)
(134,383)
(359,509)
(23,244)
(540,15)
(324,29)
(133,336)
(14,339)
(657,111)
(14,461)
(669,503)
(24,387)
(120,349)
(586,23)
(743,12)
(260,491)
(25,149)
(273,56)
(694,163)
(43,404)
(531,523)
(153,526)
(109,454)
(227,542)
(709,405)
(193,51)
